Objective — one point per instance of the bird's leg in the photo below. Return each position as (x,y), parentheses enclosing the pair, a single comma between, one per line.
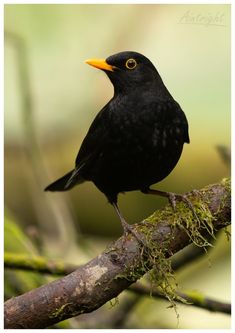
(172,197)
(127,228)
(169,195)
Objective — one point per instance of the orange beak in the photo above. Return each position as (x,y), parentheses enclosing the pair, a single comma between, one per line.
(100,64)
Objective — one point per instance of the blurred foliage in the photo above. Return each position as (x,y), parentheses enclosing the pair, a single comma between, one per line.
(15,241)
(19,281)
(51,97)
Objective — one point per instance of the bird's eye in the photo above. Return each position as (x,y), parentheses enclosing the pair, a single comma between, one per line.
(131,63)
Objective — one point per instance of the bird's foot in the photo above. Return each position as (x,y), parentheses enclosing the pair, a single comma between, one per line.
(129,229)
(173,198)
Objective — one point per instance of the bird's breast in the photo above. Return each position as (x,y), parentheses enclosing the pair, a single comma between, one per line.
(143,145)
(143,120)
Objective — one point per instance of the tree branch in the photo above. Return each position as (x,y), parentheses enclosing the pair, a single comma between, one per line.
(123,262)
(186,297)
(37,264)
(56,267)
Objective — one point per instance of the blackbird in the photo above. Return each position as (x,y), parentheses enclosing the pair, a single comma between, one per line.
(137,138)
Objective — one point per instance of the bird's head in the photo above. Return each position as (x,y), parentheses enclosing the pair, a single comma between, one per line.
(128,70)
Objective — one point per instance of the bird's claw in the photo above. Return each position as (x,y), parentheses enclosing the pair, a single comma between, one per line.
(172,200)
(128,229)
(173,197)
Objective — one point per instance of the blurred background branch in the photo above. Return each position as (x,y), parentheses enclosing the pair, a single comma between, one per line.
(186,297)
(225,154)
(37,264)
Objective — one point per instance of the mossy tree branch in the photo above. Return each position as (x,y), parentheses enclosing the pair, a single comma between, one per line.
(124,262)
(56,267)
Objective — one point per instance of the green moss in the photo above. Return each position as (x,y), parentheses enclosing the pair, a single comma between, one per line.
(194,225)
(113,302)
(196,297)
(58,313)
(227,233)
(160,215)
(192,220)
(227,183)
(161,276)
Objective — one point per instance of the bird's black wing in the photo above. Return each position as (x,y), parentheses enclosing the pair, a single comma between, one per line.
(184,123)
(165,115)
(176,117)
(95,139)
(90,147)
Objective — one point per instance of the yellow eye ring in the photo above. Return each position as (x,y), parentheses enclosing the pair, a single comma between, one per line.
(131,63)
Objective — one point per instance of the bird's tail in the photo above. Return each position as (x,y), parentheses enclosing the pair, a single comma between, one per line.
(65,183)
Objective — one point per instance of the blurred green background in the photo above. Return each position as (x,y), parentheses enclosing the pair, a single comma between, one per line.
(51,98)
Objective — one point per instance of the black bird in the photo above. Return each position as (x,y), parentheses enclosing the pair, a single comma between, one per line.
(137,138)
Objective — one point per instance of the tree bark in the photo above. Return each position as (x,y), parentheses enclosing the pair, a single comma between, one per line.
(124,261)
